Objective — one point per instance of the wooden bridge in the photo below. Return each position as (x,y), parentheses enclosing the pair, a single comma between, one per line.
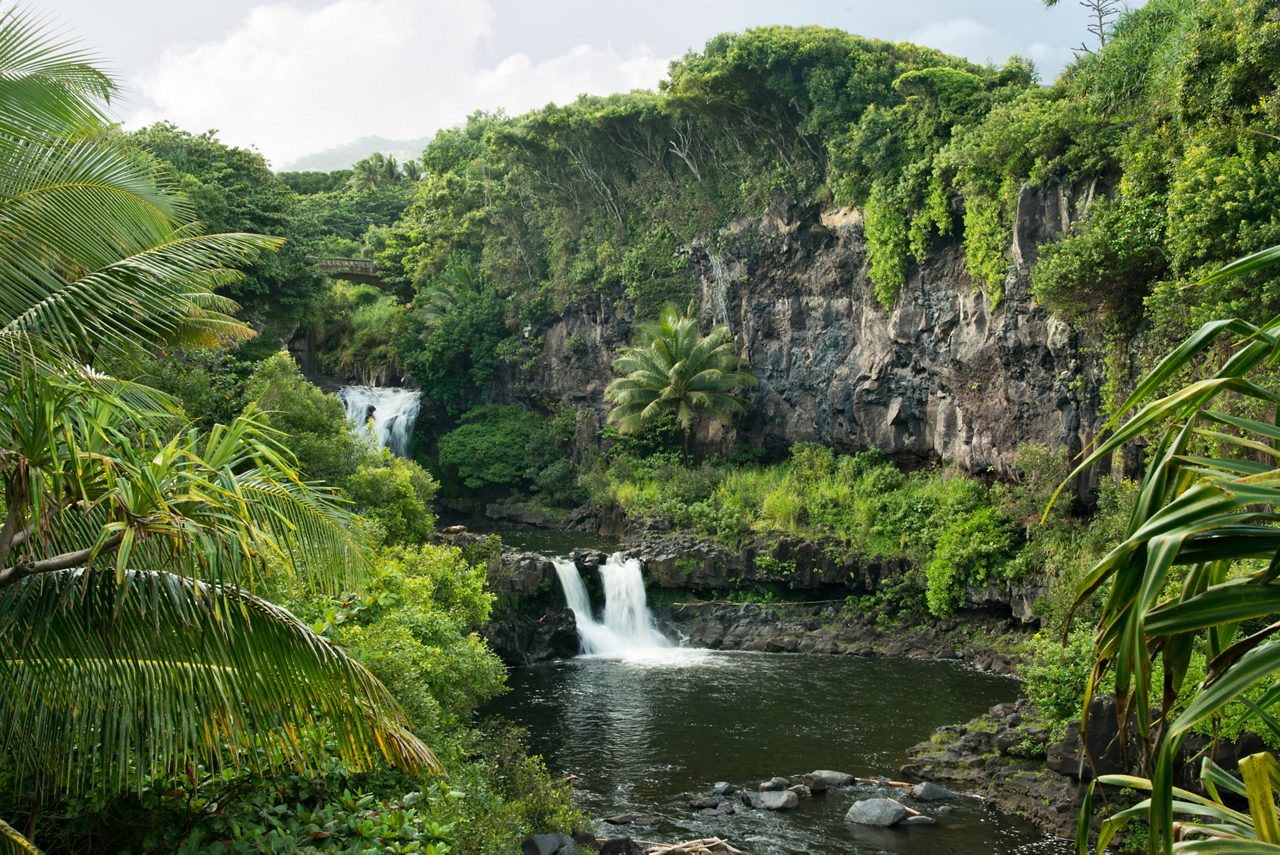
(352,269)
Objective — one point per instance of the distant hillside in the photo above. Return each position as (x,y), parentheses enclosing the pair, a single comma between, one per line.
(343,156)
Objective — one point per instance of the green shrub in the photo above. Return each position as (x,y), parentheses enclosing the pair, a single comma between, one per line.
(970,551)
(397,493)
(497,445)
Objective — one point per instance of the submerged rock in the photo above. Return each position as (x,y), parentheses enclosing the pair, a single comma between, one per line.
(877,812)
(919,819)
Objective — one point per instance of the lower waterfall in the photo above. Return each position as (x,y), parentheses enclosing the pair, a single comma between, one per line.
(627,630)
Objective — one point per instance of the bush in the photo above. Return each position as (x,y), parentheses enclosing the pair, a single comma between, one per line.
(397,493)
(315,422)
(970,551)
(498,445)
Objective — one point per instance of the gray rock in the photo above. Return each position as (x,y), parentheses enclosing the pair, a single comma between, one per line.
(723,788)
(774,783)
(620,846)
(920,819)
(801,790)
(777,800)
(620,819)
(931,792)
(550,844)
(705,802)
(877,812)
(825,778)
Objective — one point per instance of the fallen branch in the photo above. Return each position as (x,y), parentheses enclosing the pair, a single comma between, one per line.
(704,846)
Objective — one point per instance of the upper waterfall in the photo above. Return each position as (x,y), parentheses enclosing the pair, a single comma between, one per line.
(392,411)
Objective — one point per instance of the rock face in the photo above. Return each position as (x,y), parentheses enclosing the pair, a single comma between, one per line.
(942,375)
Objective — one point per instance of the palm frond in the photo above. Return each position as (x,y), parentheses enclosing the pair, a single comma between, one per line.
(104,684)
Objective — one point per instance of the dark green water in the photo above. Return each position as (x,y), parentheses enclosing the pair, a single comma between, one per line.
(643,739)
(546,541)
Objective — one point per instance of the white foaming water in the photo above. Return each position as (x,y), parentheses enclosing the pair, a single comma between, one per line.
(627,631)
(392,411)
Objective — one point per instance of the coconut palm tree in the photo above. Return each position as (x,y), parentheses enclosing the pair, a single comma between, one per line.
(673,369)
(131,640)
(1199,568)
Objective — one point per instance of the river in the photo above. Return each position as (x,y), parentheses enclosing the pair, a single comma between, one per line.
(645,727)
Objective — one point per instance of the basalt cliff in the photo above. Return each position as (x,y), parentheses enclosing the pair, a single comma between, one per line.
(944,375)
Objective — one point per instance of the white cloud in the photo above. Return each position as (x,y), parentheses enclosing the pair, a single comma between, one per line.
(291,80)
(961,36)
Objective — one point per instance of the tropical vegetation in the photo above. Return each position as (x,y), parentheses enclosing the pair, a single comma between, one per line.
(674,371)
(138,654)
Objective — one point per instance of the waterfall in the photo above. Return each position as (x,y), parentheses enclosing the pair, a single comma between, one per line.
(392,411)
(627,630)
(719,302)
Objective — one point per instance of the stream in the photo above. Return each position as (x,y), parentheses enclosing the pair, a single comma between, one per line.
(645,725)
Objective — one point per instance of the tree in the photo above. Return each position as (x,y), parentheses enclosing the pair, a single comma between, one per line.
(674,369)
(1104,14)
(131,640)
(1199,568)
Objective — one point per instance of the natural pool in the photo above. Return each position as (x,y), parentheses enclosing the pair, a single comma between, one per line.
(644,735)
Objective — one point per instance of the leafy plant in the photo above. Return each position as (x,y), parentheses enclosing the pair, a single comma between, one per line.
(674,369)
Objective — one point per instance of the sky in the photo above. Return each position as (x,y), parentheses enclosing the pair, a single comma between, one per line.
(298,76)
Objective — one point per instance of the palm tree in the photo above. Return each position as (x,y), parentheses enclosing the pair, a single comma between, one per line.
(131,640)
(375,172)
(673,369)
(1199,568)
(442,295)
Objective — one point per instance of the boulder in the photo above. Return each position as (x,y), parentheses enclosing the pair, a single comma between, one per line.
(705,802)
(930,792)
(825,778)
(877,812)
(723,788)
(777,800)
(801,790)
(774,783)
(550,844)
(620,846)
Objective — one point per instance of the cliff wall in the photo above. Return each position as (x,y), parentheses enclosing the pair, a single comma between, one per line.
(943,375)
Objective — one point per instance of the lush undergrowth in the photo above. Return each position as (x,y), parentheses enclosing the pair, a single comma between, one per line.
(959,532)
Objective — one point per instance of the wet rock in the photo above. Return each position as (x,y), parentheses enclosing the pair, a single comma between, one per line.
(776,800)
(723,788)
(877,812)
(705,802)
(774,783)
(620,846)
(801,790)
(930,792)
(620,819)
(920,819)
(550,844)
(826,778)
